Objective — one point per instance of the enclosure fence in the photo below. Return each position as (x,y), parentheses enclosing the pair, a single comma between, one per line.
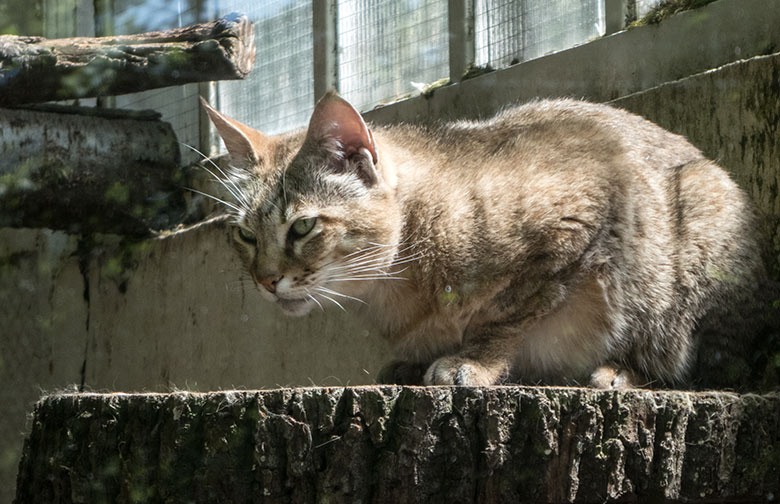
(372,51)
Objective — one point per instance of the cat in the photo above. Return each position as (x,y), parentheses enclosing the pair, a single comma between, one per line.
(559,241)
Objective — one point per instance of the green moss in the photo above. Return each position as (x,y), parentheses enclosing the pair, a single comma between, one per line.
(475,71)
(119,266)
(117,193)
(428,90)
(667,9)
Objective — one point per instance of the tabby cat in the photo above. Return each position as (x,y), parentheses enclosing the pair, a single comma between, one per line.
(560,241)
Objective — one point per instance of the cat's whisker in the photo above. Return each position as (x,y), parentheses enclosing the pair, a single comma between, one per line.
(346,264)
(330,291)
(371,253)
(238,193)
(367,263)
(377,257)
(228,189)
(364,254)
(361,278)
(376,265)
(310,296)
(373,246)
(334,301)
(238,199)
(230,205)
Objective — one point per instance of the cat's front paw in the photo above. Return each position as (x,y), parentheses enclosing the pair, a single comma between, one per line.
(454,370)
(608,377)
(401,373)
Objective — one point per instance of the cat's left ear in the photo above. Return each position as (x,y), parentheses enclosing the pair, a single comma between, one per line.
(246,145)
(337,127)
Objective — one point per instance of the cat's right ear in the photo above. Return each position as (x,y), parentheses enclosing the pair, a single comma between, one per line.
(245,145)
(337,127)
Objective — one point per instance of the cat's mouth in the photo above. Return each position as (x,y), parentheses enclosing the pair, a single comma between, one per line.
(295,307)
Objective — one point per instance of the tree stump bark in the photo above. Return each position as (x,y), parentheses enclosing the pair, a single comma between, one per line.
(35,69)
(404,444)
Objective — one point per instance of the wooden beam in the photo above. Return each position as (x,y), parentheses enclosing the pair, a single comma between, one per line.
(326,65)
(35,69)
(461,32)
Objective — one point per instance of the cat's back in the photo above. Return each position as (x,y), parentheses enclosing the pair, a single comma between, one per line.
(551,133)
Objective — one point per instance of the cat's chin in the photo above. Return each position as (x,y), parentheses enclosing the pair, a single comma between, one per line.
(295,307)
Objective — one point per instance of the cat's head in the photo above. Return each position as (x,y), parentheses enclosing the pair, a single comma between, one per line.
(315,215)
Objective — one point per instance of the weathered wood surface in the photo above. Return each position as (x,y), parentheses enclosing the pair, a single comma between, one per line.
(414,444)
(35,69)
(83,173)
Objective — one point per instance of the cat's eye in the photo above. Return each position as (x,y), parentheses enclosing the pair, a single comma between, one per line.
(302,227)
(246,235)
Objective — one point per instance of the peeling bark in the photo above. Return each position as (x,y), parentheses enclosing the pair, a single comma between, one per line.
(35,69)
(410,444)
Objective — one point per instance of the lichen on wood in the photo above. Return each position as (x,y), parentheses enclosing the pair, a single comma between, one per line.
(667,9)
(35,69)
(403,444)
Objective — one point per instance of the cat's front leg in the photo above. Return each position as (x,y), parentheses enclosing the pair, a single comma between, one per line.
(479,364)
(456,370)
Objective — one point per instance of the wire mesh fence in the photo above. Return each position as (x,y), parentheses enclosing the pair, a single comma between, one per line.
(279,93)
(177,104)
(511,31)
(388,48)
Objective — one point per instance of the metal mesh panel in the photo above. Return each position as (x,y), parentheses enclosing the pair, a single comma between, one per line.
(510,31)
(279,93)
(385,45)
(177,104)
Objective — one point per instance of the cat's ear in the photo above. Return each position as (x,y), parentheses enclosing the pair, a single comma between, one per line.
(337,127)
(245,145)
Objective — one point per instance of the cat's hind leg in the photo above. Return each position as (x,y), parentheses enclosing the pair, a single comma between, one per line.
(611,377)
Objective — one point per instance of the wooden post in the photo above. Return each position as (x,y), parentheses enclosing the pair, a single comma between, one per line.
(35,69)
(460,20)
(616,12)
(326,66)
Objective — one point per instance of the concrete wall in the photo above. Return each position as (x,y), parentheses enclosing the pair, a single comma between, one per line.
(172,313)
(733,115)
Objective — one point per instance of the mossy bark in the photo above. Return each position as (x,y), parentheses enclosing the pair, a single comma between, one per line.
(80,173)
(35,69)
(410,444)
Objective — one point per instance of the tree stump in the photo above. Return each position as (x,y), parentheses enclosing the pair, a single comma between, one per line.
(404,444)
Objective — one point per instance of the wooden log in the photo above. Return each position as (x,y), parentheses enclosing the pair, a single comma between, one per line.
(79,173)
(413,444)
(35,69)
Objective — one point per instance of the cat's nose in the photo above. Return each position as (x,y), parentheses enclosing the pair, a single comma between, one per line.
(270,282)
